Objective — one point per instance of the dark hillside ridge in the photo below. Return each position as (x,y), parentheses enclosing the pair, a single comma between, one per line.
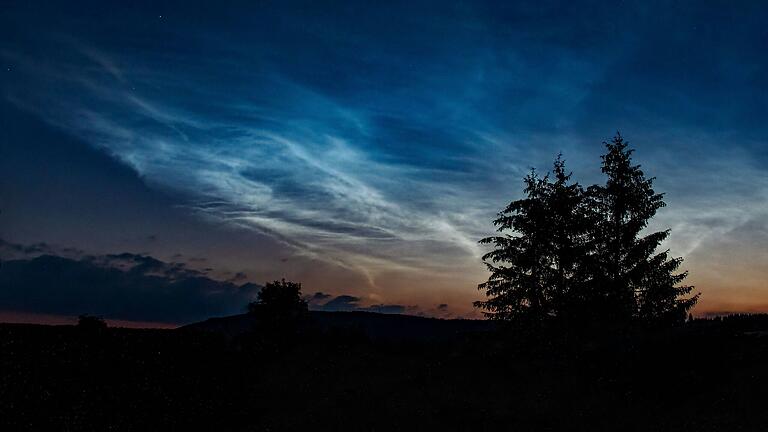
(373,325)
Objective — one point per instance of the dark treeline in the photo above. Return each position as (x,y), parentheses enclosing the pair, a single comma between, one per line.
(740,322)
(577,257)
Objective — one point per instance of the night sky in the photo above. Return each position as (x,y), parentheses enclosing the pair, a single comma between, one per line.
(166,157)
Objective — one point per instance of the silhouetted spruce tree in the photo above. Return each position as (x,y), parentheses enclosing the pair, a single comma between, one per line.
(569,220)
(630,280)
(519,264)
(537,270)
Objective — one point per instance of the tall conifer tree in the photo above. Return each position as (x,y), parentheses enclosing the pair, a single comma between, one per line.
(630,279)
(536,271)
(519,264)
(569,222)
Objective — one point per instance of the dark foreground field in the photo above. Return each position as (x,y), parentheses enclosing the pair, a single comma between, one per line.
(706,376)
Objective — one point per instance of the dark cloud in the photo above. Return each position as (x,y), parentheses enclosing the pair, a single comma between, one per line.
(71,251)
(341,303)
(238,277)
(348,303)
(385,308)
(442,307)
(15,249)
(123,286)
(144,265)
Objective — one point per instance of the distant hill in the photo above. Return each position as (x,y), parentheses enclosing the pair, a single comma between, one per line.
(373,325)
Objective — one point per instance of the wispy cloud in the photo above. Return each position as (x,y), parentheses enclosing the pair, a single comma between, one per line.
(298,176)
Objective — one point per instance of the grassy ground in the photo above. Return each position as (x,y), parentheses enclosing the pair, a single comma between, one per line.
(66,378)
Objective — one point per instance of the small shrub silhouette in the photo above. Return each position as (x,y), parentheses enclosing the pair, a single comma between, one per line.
(280,299)
(91,323)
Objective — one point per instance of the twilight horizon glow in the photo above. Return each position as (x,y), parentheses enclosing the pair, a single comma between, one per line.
(363,150)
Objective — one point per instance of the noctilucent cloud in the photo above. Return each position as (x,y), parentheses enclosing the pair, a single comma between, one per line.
(364,149)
